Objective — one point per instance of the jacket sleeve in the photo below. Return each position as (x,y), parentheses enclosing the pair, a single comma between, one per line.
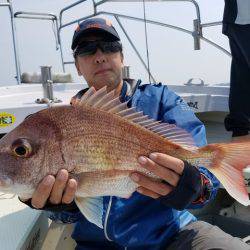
(64,217)
(176,111)
(66,213)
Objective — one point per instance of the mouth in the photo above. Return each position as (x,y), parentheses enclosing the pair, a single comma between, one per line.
(102,71)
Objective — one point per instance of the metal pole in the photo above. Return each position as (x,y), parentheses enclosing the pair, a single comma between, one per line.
(43,16)
(125,72)
(133,46)
(14,38)
(127,17)
(191,1)
(61,26)
(216,46)
(68,7)
(47,82)
(60,45)
(196,35)
(203,25)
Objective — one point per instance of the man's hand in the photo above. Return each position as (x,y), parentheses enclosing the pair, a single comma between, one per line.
(168,168)
(181,182)
(54,190)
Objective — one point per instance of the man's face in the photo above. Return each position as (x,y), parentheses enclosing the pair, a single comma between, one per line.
(100,69)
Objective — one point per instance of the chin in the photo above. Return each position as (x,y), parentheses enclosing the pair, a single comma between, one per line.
(100,85)
(105,82)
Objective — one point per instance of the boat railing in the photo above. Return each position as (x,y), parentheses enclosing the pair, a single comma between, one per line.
(58,26)
(14,39)
(196,33)
(28,15)
(43,16)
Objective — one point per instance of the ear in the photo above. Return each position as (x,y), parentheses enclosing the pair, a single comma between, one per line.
(122,58)
(77,67)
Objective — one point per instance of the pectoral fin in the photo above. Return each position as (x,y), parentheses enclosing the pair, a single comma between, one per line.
(91,208)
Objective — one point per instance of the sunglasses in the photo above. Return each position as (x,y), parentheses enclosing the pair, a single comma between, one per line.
(90,48)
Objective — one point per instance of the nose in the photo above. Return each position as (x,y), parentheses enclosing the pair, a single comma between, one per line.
(100,57)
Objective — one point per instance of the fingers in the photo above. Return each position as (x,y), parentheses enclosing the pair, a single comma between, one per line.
(59,185)
(42,192)
(70,191)
(148,192)
(168,161)
(55,190)
(149,185)
(160,170)
(165,167)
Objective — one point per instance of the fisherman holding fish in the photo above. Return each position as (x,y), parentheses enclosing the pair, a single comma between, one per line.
(125,179)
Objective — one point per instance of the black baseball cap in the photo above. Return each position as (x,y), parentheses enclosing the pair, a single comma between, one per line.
(93,26)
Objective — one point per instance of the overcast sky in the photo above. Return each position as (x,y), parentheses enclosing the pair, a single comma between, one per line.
(172,58)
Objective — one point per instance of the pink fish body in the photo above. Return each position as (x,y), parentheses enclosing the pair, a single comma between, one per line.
(98,140)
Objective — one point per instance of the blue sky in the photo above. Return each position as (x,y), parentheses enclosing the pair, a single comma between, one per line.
(172,58)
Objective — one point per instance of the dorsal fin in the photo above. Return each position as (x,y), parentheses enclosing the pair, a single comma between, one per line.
(110,103)
(87,95)
(126,112)
(106,98)
(98,95)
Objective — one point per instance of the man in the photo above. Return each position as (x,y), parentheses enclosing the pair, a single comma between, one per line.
(236,25)
(154,217)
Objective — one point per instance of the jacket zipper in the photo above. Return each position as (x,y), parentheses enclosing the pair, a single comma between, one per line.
(106,219)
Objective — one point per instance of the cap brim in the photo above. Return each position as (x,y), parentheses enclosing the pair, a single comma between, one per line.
(111,36)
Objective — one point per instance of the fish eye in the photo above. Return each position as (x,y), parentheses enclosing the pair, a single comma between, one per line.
(22,148)
(21,151)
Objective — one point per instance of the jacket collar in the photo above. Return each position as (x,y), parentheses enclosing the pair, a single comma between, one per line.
(128,90)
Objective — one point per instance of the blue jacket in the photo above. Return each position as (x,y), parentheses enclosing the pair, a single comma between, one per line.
(141,222)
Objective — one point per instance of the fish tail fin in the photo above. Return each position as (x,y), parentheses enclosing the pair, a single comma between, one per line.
(227,165)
